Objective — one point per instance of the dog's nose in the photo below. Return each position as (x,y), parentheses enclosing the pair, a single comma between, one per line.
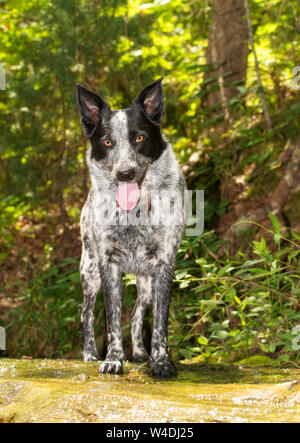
(126,175)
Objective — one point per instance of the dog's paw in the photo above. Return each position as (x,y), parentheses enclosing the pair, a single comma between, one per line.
(88,356)
(141,357)
(164,369)
(111,367)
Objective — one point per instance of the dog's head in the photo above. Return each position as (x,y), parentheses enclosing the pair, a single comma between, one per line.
(124,142)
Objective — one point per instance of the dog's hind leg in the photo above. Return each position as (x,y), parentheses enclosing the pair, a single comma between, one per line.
(144,288)
(91,282)
(111,277)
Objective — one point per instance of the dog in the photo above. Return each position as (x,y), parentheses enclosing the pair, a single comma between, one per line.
(129,156)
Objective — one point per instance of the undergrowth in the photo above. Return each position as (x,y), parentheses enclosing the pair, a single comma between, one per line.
(223,308)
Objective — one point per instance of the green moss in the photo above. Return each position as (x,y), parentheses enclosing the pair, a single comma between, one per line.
(258,360)
(73,391)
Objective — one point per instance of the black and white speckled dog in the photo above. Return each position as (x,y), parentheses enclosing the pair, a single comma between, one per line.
(127,147)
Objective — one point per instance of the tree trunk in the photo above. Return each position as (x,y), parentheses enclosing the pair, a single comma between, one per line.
(257,69)
(226,54)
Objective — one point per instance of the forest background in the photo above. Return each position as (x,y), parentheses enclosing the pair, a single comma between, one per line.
(232,80)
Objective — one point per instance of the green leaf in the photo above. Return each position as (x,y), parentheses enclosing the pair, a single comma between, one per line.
(221,334)
(202,340)
(276,227)
(229,296)
(275,223)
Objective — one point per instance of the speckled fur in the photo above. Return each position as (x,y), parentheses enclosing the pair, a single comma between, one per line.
(148,250)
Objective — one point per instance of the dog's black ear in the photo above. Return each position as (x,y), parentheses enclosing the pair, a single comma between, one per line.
(152,101)
(91,107)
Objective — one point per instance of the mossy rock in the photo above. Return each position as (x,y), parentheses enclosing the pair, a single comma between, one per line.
(60,391)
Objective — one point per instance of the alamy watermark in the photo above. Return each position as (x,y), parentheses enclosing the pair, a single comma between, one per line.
(296,78)
(2,79)
(296,340)
(2,339)
(156,208)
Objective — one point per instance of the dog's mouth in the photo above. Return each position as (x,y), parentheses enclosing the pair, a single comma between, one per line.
(127,195)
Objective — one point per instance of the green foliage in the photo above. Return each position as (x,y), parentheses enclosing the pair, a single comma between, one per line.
(11,209)
(235,306)
(225,306)
(47,323)
(222,309)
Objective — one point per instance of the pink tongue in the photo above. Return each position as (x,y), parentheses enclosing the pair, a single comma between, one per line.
(128,195)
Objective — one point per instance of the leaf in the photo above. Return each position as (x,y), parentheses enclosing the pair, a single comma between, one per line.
(237,300)
(229,296)
(276,227)
(242,89)
(226,269)
(292,255)
(203,288)
(202,340)
(252,262)
(260,247)
(221,334)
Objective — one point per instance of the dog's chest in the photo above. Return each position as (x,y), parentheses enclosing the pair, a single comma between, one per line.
(136,249)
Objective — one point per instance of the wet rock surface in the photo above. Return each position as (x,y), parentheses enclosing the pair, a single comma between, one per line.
(73,391)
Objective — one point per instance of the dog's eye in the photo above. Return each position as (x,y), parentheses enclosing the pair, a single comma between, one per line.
(107,143)
(139,138)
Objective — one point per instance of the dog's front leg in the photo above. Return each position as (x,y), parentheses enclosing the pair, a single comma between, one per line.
(111,278)
(161,287)
(90,279)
